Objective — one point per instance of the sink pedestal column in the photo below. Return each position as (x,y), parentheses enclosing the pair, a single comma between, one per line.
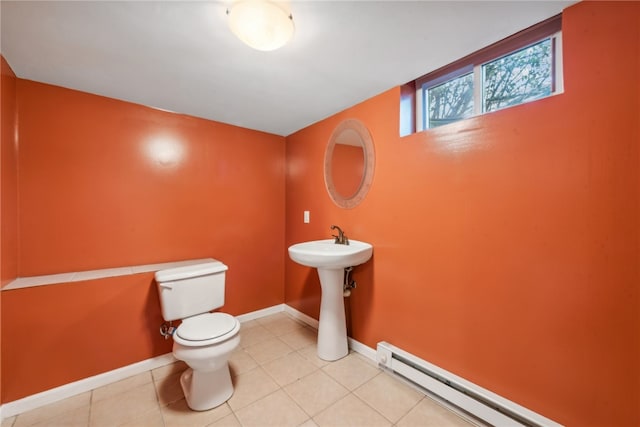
(332,328)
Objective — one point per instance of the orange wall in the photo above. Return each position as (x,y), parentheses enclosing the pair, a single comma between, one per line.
(8,167)
(8,182)
(506,247)
(100,186)
(84,328)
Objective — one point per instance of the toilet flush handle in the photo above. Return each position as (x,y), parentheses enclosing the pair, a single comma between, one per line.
(166,285)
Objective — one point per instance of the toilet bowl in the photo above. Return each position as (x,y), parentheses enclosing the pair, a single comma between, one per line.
(204,340)
(205,345)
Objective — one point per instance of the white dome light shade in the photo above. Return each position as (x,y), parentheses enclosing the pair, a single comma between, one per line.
(261,24)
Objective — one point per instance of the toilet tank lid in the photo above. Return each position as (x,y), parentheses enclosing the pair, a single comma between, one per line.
(199,268)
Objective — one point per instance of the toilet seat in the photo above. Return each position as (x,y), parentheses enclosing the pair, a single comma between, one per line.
(206,329)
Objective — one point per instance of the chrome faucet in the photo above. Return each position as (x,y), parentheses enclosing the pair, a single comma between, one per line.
(341,238)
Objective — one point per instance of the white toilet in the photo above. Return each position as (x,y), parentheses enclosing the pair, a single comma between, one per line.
(203,340)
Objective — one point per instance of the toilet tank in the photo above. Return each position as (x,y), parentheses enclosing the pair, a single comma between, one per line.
(192,289)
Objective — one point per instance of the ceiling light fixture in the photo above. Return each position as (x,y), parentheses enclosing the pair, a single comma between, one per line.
(261,24)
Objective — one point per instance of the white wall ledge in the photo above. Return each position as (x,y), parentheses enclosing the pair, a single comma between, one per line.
(52,279)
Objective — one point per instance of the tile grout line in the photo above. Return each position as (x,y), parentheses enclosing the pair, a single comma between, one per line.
(300,326)
(90,408)
(270,394)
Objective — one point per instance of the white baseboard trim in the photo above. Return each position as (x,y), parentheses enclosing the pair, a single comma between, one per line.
(354,345)
(300,316)
(53,395)
(87,384)
(362,349)
(261,313)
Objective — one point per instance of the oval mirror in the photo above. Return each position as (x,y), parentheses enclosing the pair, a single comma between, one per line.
(348,163)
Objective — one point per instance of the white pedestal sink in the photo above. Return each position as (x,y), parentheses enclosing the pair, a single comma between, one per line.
(331,259)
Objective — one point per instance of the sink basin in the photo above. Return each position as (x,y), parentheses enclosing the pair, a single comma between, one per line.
(326,254)
(330,260)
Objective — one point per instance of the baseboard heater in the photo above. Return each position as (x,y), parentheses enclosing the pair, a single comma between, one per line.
(470,398)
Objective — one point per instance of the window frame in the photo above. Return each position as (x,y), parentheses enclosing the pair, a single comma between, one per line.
(548,29)
(455,74)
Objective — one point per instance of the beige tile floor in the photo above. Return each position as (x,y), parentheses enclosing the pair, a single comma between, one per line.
(278,381)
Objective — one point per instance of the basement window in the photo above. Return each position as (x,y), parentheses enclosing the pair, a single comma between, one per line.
(522,68)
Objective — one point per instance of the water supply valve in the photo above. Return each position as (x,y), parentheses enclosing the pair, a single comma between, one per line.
(349,283)
(167,329)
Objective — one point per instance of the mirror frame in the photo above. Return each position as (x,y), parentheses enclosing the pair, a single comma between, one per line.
(369,163)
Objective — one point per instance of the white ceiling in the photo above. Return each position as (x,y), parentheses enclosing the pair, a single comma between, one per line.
(180,55)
